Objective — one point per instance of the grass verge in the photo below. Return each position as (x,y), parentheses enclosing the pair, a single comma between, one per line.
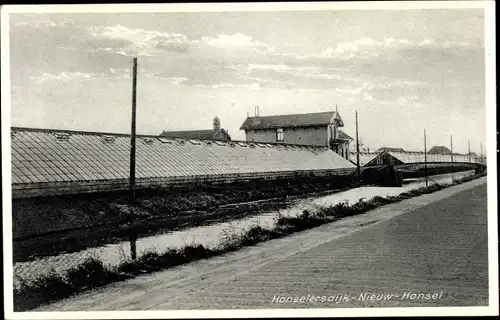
(93,273)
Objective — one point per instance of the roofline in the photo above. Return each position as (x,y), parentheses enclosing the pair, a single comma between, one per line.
(91,133)
(335,113)
(178,131)
(276,127)
(94,133)
(341,139)
(292,114)
(188,131)
(418,152)
(421,152)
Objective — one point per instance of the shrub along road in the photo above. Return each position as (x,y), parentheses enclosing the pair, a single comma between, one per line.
(435,244)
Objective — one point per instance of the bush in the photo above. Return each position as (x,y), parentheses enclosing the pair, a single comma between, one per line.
(91,273)
(40,291)
(196,252)
(257,234)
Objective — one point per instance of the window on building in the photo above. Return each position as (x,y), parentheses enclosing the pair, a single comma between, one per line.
(279,135)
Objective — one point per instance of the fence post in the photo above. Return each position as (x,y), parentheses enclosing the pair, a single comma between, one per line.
(133,241)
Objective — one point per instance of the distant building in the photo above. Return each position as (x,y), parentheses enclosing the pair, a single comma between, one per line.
(396,157)
(216,133)
(312,129)
(387,149)
(439,150)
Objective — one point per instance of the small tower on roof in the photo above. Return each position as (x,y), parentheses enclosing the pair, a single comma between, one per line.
(216,126)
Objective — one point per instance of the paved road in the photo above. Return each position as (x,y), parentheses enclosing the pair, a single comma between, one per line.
(435,244)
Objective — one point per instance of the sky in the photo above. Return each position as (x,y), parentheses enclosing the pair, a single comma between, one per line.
(403,71)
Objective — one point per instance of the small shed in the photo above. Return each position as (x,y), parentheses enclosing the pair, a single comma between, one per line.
(384,158)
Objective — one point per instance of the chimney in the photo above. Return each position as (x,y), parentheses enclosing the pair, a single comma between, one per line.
(216,125)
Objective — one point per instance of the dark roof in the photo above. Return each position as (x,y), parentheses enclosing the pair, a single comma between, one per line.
(198,134)
(387,158)
(291,121)
(440,150)
(390,149)
(343,136)
(189,134)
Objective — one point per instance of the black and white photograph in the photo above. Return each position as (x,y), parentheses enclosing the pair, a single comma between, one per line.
(249,160)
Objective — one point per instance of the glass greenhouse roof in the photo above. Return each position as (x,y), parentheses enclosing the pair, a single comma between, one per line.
(42,156)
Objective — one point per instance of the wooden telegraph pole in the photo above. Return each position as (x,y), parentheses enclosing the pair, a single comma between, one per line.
(481,154)
(357,146)
(451,144)
(132,231)
(425,158)
(132,140)
(468,143)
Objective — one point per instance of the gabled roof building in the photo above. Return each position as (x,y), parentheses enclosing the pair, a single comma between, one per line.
(216,133)
(318,119)
(311,129)
(389,149)
(439,150)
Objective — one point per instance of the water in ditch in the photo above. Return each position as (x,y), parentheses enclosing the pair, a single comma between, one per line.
(211,235)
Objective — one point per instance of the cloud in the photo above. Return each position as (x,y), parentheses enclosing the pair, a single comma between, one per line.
(132,42)
(64,76)
(251,86)
(236,41)
(238,60)
(107,43)
(451,44)
(156,43)
(38,23)
(426,42)
(448,44)
(285,76)
(404,100)
(368,48)
(277,67)
(174,80)
(388,42)
(367,96)
(362,48)
(150,43)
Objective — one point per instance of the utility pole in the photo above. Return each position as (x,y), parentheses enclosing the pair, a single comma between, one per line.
(425,158)
(468,143)
(357,146)
(451,144)
(481,154)
(132,231)
(132,140)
